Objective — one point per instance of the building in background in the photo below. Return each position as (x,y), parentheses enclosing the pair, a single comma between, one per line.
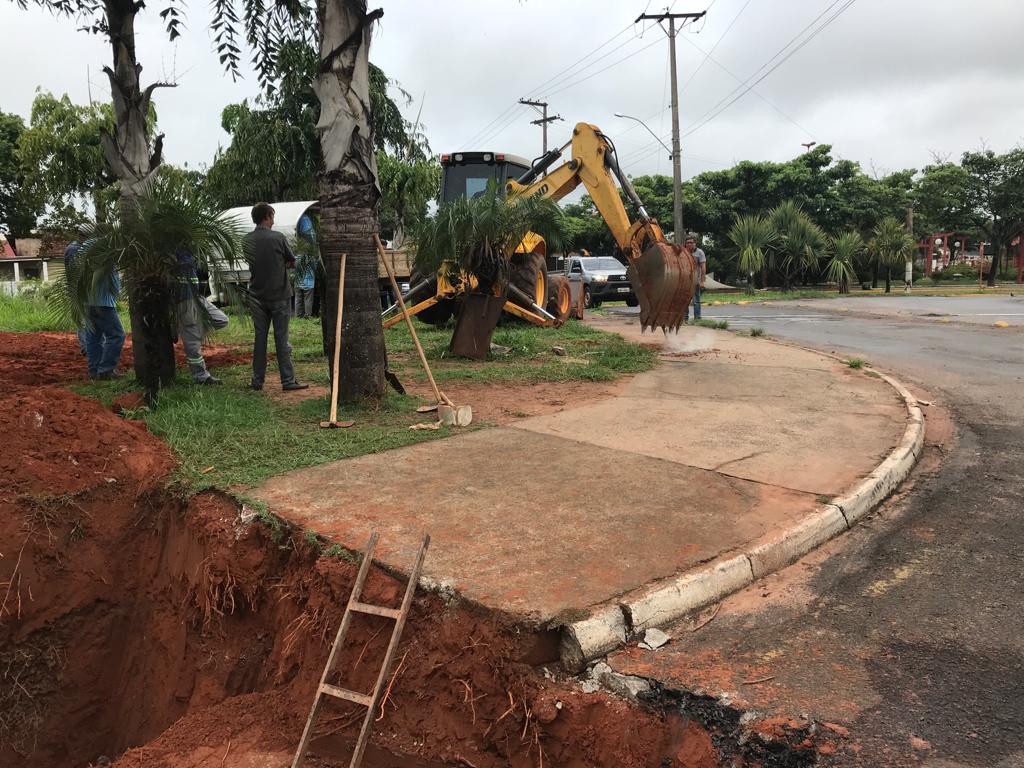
(39,259)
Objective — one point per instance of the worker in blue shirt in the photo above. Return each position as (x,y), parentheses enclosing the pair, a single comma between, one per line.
(305,273)
(104,337)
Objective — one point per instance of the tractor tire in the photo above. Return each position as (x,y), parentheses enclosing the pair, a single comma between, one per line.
(559,298)
(439,313)
(529,273)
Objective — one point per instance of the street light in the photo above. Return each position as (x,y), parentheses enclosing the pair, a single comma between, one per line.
(629,117)
(677,192)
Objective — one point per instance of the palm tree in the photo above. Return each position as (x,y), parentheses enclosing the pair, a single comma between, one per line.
(845,250)
(800,243)
(751,235)
(140,241)
(479,236)
(891,247)
(349,194)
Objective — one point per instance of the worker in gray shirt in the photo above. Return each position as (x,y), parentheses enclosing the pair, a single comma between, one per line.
(702,269)
(269,259)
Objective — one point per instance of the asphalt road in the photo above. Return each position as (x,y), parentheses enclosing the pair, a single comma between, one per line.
(912,635)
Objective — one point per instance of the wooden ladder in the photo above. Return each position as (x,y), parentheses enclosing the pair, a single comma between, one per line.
(372,700)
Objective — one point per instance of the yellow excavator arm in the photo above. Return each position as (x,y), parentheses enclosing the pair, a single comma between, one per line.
(662,275)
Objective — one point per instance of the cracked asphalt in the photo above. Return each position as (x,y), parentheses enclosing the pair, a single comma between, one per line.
(909,631)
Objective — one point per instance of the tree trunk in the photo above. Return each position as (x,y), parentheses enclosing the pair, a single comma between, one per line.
(349,195)
(874,275)
(127,152)
(152,337)
(997,260)
(350,230)
(888,279)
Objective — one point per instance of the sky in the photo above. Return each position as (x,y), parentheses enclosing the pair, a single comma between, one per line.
(889,83)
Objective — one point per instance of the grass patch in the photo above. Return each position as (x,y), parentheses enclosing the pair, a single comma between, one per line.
(706,322)
(855,363)
(28,312)
(247,437)
(710,299)
(590,355)
(755,332)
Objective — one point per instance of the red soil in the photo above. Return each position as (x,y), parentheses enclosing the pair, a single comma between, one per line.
(130,617)
(51,358)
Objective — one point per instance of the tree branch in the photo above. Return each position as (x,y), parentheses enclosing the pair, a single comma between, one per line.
(158,149)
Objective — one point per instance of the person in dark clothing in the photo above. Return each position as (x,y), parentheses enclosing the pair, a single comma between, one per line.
(269,260)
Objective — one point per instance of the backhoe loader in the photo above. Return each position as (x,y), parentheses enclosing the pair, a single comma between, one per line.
(661,274)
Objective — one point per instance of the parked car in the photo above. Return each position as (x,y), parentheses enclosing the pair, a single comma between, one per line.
(604,279)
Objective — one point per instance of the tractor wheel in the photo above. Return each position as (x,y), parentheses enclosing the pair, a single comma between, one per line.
(559,299)
(530,275)
(439,313)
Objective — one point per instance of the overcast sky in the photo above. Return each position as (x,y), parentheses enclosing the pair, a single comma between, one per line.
(887,82)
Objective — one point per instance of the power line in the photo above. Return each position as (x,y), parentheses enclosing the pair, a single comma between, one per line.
(704,120)
(759,95)
(717,42)
(603,69)
(746,86)
(481,134)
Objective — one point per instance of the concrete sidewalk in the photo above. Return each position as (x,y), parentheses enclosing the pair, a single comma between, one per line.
(727,441)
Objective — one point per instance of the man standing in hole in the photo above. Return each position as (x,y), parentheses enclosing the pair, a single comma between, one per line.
(269,259)
(702,268)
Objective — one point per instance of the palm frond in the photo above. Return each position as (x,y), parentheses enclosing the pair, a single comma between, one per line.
(479,235)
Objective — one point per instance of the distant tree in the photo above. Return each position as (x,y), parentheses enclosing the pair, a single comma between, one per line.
(845,250)
(61,155)
(995,194)
(891,247)
(941,200)
(18,213)
(751,236)
(406,189)
(585,229)
(800,243)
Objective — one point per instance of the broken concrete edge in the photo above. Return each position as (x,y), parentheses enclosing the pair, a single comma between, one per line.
(613,625)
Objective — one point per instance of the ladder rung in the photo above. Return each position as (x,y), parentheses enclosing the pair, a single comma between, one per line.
(376,610)
(344,693)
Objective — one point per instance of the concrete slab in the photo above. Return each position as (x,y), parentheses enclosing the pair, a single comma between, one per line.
(816,431)
(717,449)
(533,524)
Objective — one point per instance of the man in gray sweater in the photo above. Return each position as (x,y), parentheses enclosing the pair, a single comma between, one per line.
(269,260)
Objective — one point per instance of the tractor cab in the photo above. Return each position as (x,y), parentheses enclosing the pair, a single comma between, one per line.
(466,174)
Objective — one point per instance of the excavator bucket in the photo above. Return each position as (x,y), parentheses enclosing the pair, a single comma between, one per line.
(664,278)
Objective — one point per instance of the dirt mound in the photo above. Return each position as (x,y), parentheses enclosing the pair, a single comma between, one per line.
(54,358)
(40,358)
(57,443)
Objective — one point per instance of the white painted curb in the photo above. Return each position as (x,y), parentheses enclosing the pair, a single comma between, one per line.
(667,601)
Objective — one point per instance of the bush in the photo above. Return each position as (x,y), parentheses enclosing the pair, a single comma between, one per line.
(961,272)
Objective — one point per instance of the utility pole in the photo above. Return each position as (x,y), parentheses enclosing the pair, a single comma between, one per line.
(677,172)
(908,277)
(542,107)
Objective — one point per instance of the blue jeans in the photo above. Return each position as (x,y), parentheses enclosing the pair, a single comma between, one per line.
(696,305)
(104,337)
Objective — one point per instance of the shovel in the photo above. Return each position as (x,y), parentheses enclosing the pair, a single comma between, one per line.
(333,423)
(447,411)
